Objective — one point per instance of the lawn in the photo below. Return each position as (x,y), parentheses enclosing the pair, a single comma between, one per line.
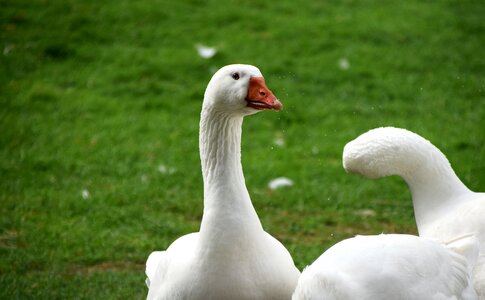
(100,105)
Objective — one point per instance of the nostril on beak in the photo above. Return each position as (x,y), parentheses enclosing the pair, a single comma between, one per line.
(262,93)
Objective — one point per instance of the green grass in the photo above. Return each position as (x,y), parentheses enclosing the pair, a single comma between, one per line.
(96,96)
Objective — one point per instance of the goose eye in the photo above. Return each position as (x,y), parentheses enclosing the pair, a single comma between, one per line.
(235,76)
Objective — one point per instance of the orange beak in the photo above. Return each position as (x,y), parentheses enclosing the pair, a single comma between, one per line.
(260,97)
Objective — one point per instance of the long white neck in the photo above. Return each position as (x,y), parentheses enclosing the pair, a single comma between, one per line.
(390,151)
(434,186)
(228,211)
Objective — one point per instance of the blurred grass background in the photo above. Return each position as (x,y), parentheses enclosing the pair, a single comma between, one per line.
(99,116)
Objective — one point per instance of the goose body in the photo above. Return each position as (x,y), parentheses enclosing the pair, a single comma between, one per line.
(391,266)
(444,207)
(231,257)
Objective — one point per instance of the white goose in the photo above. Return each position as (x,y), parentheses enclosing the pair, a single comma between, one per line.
(444,207)
(231,257)
(391,266)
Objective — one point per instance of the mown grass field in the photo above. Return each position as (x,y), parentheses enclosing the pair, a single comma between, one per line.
(99,116)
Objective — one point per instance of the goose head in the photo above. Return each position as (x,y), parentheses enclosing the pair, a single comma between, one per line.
(389,151)
(240,90)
